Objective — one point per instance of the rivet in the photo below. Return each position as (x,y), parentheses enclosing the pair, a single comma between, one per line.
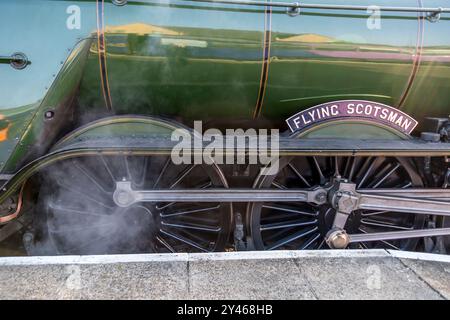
(119,2)
(294,10)
(49,114)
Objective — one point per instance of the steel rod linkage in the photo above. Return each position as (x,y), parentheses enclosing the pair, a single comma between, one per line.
(416,201)
(403,204)
(397,235)
(125,196)
(342,195)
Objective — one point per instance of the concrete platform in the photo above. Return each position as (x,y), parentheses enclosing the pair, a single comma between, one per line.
(329,274)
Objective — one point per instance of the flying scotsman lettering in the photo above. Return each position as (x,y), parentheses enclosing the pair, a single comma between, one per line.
(352,109)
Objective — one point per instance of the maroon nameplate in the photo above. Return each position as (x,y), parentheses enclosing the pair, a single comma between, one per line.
(352,109)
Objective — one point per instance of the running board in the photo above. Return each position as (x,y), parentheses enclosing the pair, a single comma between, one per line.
(286,146)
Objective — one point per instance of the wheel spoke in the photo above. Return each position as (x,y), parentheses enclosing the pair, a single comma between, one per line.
(377,184)
(283,225)
(409,184)
(71,189)
(192,226)
(61,209)
(299,175)
(366,174)
(336,167)
(319,170)
(290,210)
(383,224)
(390,245)
(352,169)
(289,239)
(363,245)
(105,164)
(184,240)
(89,175)
(127,167)
(198,210)
(368,214)
(278,185)
(165,244)
(310,242)
(183,175)
(161,173)
(143,174)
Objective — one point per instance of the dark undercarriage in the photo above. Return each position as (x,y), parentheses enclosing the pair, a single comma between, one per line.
(79,211)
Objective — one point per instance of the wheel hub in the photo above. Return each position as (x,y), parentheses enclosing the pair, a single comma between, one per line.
(337,239)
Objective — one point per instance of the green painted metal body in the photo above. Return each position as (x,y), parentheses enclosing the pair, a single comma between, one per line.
(188,60)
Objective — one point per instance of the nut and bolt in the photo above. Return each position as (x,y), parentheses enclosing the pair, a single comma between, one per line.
(321,197)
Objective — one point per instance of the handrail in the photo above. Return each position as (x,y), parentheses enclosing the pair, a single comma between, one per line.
(17,60)
(298,5)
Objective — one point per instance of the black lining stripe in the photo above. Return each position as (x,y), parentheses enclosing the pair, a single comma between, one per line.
(101,46)
(266,61)
(417,58)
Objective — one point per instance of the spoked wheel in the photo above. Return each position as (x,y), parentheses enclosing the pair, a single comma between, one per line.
(78,214)
(304,226)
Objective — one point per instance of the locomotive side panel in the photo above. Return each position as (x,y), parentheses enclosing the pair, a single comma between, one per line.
(320,56)
(183,59)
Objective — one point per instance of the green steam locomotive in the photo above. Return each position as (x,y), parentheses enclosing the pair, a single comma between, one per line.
(347,104)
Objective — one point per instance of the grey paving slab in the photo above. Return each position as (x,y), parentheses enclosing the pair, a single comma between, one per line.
(431,268)
(36,282)
(116,277)
(435,274)
(151,280)
(364,278)
(248,279)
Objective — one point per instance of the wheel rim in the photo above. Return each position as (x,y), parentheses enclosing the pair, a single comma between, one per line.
(80,216)
(304,226)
